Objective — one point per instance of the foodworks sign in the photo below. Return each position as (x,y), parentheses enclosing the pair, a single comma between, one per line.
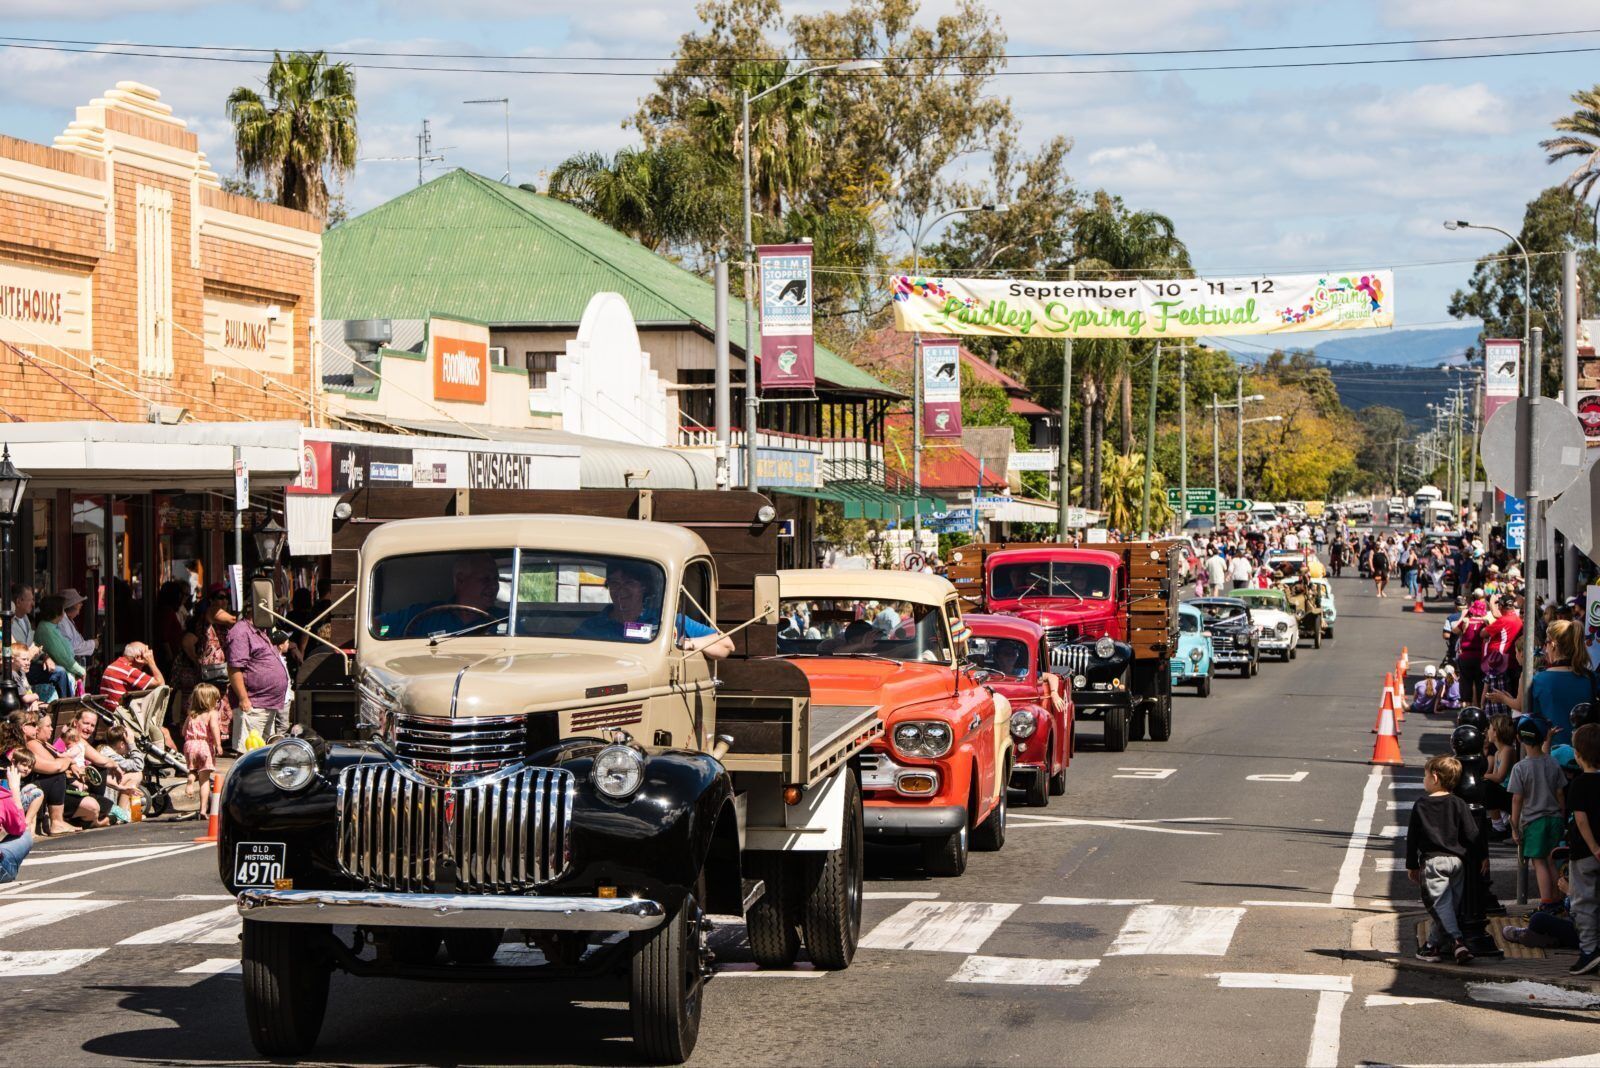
(1144,308)
(459,353)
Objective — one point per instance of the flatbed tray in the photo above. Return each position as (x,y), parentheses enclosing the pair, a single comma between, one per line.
(838,732)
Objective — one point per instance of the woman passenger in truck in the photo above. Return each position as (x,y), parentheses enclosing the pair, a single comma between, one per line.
(633,615)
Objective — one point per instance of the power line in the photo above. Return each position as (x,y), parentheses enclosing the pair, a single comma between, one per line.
(776,58)
(111,49)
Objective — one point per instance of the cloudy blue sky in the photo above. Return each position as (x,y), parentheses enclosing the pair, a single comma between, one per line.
(1301,169)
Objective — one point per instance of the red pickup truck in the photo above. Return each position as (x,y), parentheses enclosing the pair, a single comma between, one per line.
(1016,655)
(1110,613)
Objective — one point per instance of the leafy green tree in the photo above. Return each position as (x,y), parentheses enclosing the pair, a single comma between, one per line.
(665,196)
(300,132)
(1579,139)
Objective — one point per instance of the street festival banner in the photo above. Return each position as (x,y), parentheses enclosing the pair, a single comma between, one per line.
(1502,373)
(1144,307)
(788,355)
(941,387)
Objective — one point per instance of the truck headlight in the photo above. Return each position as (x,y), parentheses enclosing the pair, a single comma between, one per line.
(1283,628)
(1105,648)
(1079,681)
(618,771)
(1195,655)
(1022,724)
(923,738)
(291,764)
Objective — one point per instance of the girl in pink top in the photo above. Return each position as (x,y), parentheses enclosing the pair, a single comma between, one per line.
(202,740)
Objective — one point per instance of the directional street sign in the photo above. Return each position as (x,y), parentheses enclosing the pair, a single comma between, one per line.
(1235,504)
(1517,523)
(1201,501)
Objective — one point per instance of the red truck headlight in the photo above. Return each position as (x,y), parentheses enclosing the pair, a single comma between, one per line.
(1023,724)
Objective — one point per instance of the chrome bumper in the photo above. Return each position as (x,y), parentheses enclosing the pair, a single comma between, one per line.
(370,908)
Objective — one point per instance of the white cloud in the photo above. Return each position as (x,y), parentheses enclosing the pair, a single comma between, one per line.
(1461,17)
(1437,109)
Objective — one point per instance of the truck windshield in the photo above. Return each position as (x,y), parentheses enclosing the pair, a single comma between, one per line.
(516,592)
(1050,578)
(1219,613)
(1004,656)
(894,630)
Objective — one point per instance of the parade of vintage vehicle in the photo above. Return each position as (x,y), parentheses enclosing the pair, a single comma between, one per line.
(929,533)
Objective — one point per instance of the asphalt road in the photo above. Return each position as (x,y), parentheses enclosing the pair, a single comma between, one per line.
(1173,908)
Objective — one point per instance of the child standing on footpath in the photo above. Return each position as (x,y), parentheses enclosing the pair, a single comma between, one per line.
(1537,786)
(1438,841)
(1583,868)
(202,741)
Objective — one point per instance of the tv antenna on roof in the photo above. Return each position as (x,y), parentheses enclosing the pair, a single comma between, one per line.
(424,153)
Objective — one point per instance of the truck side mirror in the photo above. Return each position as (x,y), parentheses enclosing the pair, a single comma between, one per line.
(766,599)
(261,604)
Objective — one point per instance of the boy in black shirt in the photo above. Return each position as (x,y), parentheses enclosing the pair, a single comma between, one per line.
(1438,842)
(1583,840)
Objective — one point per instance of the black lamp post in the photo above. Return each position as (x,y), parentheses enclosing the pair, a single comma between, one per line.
(13,484)
(268,536)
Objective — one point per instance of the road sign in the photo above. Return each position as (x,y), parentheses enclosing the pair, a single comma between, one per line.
(1516,523)
(1547,429)
(1200,501)
(1574,512)
(1235,504)
(913,561)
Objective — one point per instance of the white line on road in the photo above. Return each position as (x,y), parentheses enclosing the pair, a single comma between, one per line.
(1365,904)
(1146,773)
(900,895)
(1324,1051)
(1019,821)
(1401,806)
(1095,900)
(939,926)
(1023,971)
(1384,1001)
(1389,864)
(1532,995)
(44,961)
(17,888)
(1176,929)
(214,966)
(1344,890)
(49,895)
(1297,776)
(1400,787)
(1393,830)
(82,855)
(1281,981)
(219,927)
(18,916)
(203,897)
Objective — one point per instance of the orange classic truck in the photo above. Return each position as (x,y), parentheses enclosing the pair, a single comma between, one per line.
(894,640)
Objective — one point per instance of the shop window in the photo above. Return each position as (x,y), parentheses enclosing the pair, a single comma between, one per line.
(153,262)
(540,364)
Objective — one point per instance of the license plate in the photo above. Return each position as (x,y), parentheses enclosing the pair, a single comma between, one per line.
(258,863)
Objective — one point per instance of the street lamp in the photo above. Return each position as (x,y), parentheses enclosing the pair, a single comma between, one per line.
(13,485)
(1527,278)
(504,101)
(916,370)
(268,536)
(751,402)
(1216,433)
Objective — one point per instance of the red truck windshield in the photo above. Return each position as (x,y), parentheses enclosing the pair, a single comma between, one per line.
(1050,578)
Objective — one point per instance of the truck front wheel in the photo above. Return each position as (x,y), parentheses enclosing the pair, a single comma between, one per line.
(945,856)
(1316,634)
(773,923)
(667,984)
(1116,730)
(832,914)
(285,986)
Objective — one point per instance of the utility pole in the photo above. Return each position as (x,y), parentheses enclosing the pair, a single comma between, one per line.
(1150,442)
(1216,443)
(1532,545)
(1238,482)
(1064,468)
(1183,436)
(722,406)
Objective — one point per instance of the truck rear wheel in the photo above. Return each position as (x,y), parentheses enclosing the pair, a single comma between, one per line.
(773,922)
(472,945)
(1037,793)
(667,985)
(1316,634)
(945,856)
(832,912)
(1204,687)
(1116,730)
(1161,717)
(285,986)
(1058,783)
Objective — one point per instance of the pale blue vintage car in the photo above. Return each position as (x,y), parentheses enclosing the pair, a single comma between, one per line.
(1324,590)
(1192,665)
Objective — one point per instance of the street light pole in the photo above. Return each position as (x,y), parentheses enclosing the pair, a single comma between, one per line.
(1150,442)
(1064,469)
(1183,437)
(1238,478)
(751,400)
(1216,442)
(1527,280)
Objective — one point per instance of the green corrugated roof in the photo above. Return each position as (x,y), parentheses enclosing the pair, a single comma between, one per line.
(465,245)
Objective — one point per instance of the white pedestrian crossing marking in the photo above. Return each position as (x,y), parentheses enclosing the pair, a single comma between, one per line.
(1389,864)
(900,895)
(1281,981)
(939,926)
(1177,929)
(44,961)
(1392,831)
(1401,806)
(219,927)
(1094,901)
(1023,971)
(1399,786)
(75,856)
(28,913)
(214,966)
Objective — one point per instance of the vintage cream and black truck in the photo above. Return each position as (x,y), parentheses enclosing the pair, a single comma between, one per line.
(550,754)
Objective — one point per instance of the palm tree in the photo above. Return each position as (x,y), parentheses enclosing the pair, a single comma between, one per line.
(305,126)
(1124,493)
(661,196)
(787,129)
(1580,137)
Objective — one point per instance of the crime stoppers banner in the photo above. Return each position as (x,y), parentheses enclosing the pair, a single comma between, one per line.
(1144,307)
(788,350)
(941,387)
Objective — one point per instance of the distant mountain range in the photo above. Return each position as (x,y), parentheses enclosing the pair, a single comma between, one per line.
(1414,348)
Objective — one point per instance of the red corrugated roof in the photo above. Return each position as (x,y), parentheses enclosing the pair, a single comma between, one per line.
(891,350)
(945,464)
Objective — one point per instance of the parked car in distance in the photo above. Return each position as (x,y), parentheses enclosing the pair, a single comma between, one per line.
(1192,665)
(1324,591)
(1275,621)
(1017,654)
(1234,634)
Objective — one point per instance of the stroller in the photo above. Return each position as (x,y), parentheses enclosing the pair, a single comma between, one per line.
(142,718)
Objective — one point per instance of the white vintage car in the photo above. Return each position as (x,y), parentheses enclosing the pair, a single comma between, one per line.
(1278,629)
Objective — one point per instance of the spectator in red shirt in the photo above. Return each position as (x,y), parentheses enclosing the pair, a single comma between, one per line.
(1499,650)
(134,670)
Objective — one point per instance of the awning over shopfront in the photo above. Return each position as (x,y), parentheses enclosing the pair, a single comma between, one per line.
(863,500)
(1023,510)
(93,456)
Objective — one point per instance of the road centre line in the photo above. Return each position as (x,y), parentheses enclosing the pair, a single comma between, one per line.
(18,888)
(940,926)
(1344,889)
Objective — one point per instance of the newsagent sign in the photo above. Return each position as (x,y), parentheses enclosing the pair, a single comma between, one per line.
(1144,307)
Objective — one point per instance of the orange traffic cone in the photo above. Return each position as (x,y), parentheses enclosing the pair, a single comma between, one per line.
(1405,662)
(1386,706)
(1397,694)
(213,817)
(1386,747)
(1416,606)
